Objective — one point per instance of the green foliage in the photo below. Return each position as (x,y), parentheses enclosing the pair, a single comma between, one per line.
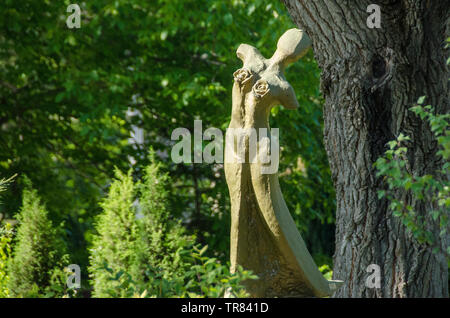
(202,277)
(139,248)
(67,92)
(117,235)
(162,240)
(207,277)
(433,189)
(64,95)
(36,268)
(326,271)
(3,184)
(135,234)
(6,234)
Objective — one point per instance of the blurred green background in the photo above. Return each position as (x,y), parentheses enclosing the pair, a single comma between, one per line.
(65,93)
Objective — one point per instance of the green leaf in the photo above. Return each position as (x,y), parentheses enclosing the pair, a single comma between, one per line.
(421,100)
(435,215)
(59,97)
(381,194)
(203,250)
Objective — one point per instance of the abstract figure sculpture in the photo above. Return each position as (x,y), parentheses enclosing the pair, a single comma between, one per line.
(264,237)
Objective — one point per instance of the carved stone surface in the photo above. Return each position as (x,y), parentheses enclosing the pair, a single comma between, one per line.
(264,237)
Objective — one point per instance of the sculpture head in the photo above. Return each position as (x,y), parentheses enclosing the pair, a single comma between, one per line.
(264,75)
(291,46)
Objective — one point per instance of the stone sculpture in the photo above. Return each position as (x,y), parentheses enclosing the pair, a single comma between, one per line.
(264,237)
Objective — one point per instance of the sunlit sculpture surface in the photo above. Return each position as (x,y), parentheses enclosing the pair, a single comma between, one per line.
(264,237)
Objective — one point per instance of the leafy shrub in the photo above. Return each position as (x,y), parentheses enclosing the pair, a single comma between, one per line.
(206,277)
(435,189)
(209,278)
(37,265)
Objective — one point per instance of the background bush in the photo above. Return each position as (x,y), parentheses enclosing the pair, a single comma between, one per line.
(36,267)
(65,96)
(71,98)
(140,251)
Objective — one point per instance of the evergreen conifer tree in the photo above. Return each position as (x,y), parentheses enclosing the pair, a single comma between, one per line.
(137,239)
(37,266)
(114,246)
(163,243)
(6,234)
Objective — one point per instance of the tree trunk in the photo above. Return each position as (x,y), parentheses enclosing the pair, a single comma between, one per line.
(370,78)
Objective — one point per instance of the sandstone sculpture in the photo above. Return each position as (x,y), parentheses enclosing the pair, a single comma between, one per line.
(264,237)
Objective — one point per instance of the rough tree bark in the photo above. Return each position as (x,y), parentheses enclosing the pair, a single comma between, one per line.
(370,77)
